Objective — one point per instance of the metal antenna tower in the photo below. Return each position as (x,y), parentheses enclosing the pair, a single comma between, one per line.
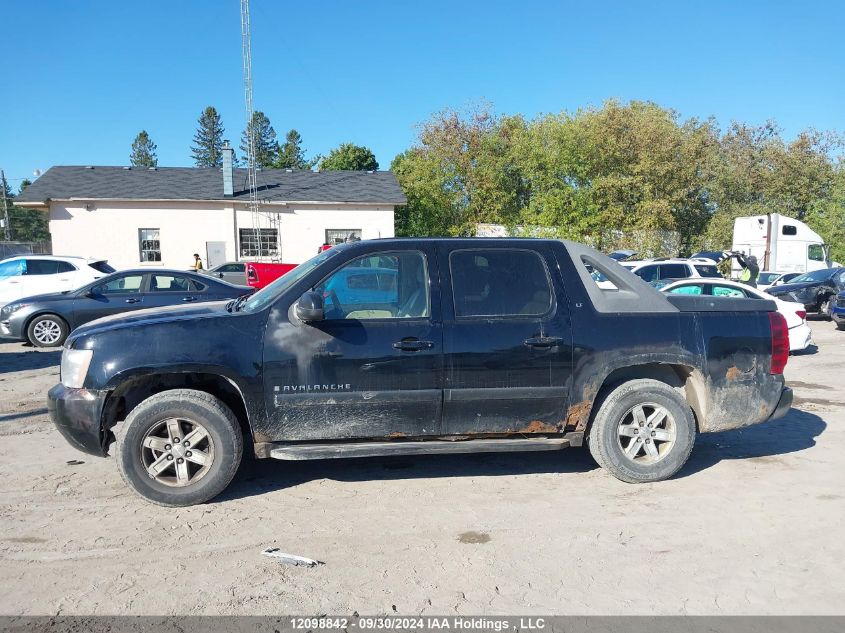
(246,51)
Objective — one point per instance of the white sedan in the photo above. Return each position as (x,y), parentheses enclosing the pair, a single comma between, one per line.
(800,335)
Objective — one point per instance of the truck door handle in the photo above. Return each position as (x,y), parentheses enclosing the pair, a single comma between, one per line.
(133,301)
(412,345)
(189,298)
(543,341)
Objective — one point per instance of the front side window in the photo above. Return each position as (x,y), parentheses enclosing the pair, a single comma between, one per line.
(259,242)
(339,236)
(395,289)
(695,289)
(149,245)
(815,252)
(499,282)
(230,268)
(14,268)
(169,283)
(121,285)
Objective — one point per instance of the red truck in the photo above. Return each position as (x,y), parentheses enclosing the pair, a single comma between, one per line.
(259,274)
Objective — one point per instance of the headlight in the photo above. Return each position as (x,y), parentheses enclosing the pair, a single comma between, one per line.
(13,307)
(75,364)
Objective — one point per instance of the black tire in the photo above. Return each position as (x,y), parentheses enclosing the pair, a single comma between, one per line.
(224,444)
(47,330)
(607,445)
(840,326)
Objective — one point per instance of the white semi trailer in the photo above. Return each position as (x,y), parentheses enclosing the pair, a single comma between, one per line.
(780,244)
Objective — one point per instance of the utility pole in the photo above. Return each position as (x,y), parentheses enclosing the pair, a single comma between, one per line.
(251,167)
(7,229)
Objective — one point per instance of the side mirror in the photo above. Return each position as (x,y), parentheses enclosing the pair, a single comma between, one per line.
(220,275)
(310,307)
(93,292)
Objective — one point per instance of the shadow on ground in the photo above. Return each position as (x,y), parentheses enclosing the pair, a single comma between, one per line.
(794,432)
(29,359)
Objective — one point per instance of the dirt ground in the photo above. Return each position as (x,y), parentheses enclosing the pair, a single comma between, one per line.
(752,525)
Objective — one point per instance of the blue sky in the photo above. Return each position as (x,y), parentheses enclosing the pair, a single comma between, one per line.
(82,78)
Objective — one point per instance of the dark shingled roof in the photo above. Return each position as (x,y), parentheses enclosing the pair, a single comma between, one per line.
(195,183)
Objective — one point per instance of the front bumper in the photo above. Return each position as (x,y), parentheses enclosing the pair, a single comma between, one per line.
(784,404)
(77,414)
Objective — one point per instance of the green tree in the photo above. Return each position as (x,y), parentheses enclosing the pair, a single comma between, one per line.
(207,149)
(143,151)
(263,138)
(292,156)
(26,225)
(350,157)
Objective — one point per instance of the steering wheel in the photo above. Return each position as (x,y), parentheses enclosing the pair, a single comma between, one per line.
(336,303)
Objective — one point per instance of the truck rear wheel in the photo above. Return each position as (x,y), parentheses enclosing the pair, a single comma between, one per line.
(179,447)
(644,431)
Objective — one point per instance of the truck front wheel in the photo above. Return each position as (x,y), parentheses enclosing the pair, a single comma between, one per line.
(644,431)
(179,447)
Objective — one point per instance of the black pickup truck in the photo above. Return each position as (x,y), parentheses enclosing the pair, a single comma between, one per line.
(410,346)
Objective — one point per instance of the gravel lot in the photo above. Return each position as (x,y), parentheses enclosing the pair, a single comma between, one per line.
(752,525)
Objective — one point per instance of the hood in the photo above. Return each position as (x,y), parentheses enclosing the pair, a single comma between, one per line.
(787,288)
(141,318)
(68,295)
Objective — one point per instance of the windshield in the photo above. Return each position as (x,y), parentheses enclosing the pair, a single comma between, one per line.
(816,275)
(767,278)
(268,295)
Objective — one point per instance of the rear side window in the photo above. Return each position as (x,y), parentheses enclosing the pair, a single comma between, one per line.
(231,268)
(727,291)
(169,283)
(499,282)
(647,273)
(707,271)
(197,286)
(41,267)
(674,271)
(102,267)
(64,267)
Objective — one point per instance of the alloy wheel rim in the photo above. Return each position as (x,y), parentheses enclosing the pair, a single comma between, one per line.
(47,331)
(177,452)
(647,433)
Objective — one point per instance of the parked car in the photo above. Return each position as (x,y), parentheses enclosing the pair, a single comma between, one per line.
(46,320)
(233,272)
(505,344)
(816,289)
(800,335)
(766,279)
(837,311)
(259,274)
(27,275)
(652,269)
(622,255)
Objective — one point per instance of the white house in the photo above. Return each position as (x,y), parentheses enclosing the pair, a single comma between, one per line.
(160,216)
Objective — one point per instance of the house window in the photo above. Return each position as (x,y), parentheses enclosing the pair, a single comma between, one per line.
(339,236)
(251,246)
(149,245)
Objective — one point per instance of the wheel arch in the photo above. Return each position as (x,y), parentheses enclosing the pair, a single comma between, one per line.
(129,393)
(688,381)
(41,313)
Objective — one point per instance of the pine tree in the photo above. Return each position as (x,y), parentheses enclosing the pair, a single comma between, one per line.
(291,154)
(25,225)
(264,139)
(143,151)
(208,141)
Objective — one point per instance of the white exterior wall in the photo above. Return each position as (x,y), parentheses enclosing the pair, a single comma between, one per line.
(302,227)
(109,229)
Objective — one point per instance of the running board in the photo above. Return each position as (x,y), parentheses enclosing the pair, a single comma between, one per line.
(431,447)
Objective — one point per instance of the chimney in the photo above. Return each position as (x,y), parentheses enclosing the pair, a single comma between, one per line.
(228,159)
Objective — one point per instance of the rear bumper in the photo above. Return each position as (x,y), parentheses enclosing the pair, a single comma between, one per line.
(800,337)
(784,404)
(77,414)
